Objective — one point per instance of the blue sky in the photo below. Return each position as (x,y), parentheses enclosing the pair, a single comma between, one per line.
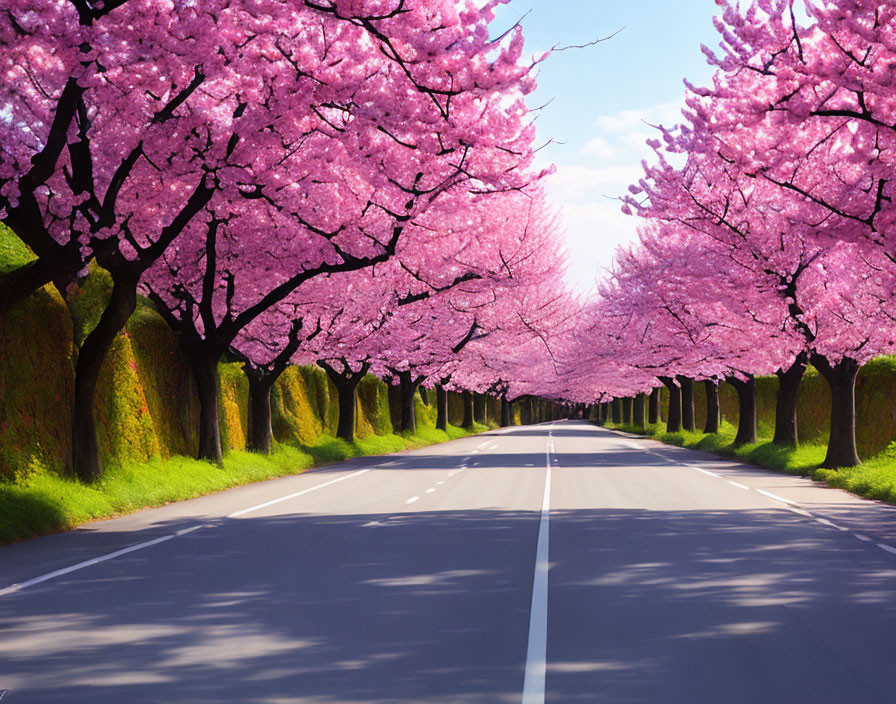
(600,95)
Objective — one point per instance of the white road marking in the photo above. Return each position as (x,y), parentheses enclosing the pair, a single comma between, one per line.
(825,522)
(412,499)
(440,483)
(12,589)
(799,511)
(863,538)
(296,494)
(776,497)
(887,548)
(705,471)
(430,491)
(536,653)
(738,485)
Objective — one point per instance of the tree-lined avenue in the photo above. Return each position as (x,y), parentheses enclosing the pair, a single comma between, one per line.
(672,577)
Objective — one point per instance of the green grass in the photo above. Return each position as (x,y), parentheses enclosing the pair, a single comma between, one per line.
(803,460)
(875,478)
(44,502)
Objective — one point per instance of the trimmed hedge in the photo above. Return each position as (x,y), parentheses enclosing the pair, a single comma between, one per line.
(146,404)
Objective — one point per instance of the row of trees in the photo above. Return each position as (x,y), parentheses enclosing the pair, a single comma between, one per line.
(345,183)
(769,241)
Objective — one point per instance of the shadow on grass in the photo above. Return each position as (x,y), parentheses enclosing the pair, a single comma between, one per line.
(24,515)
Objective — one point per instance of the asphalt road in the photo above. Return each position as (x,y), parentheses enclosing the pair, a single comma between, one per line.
(437,576)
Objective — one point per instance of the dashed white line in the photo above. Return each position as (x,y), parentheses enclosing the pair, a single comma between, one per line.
(297,494)
(705,471)
(889,549)
(12,589)
(863,538)
(440,483)
(775,497)
(829,524)
(738,485)
(799,511)
(412,499)
(430,491)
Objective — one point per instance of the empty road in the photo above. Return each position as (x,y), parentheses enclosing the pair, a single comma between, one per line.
(552,563)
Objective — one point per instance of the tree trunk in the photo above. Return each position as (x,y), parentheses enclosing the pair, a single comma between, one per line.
(441,408)
(616,410)
(638,411)
(506,413)
(204,365)
(627,410)
(467,421)
(407,389)
(673,422)
(688,417)
(841,379)
(346,383)
(345,389)
(478,412)
(786,432)
(712,406)
(261,434)
(653,407)
(746,404)
(85,450)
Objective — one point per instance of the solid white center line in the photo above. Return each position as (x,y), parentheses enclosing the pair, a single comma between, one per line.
(12,589)
(412,499)
(536,653)
(297,494)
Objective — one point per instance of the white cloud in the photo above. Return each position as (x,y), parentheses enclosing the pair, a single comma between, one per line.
(629,121)
(599,147)
(573,182)
(589,179)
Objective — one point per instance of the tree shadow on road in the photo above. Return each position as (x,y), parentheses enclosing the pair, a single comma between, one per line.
(645,606)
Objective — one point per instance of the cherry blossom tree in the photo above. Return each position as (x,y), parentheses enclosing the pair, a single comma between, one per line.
(788,154)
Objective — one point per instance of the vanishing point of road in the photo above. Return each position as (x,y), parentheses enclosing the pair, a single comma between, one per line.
(552,563)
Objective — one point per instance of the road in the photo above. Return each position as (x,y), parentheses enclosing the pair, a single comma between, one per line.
(449,575)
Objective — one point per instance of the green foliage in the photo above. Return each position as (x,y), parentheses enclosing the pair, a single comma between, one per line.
(36,386)
(13,252)
(45,502)
(87,300)
(295,414)
(874,478)
(803,460)
(233,406)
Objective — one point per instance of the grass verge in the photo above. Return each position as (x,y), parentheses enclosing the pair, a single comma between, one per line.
(875,478)
(44,502)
